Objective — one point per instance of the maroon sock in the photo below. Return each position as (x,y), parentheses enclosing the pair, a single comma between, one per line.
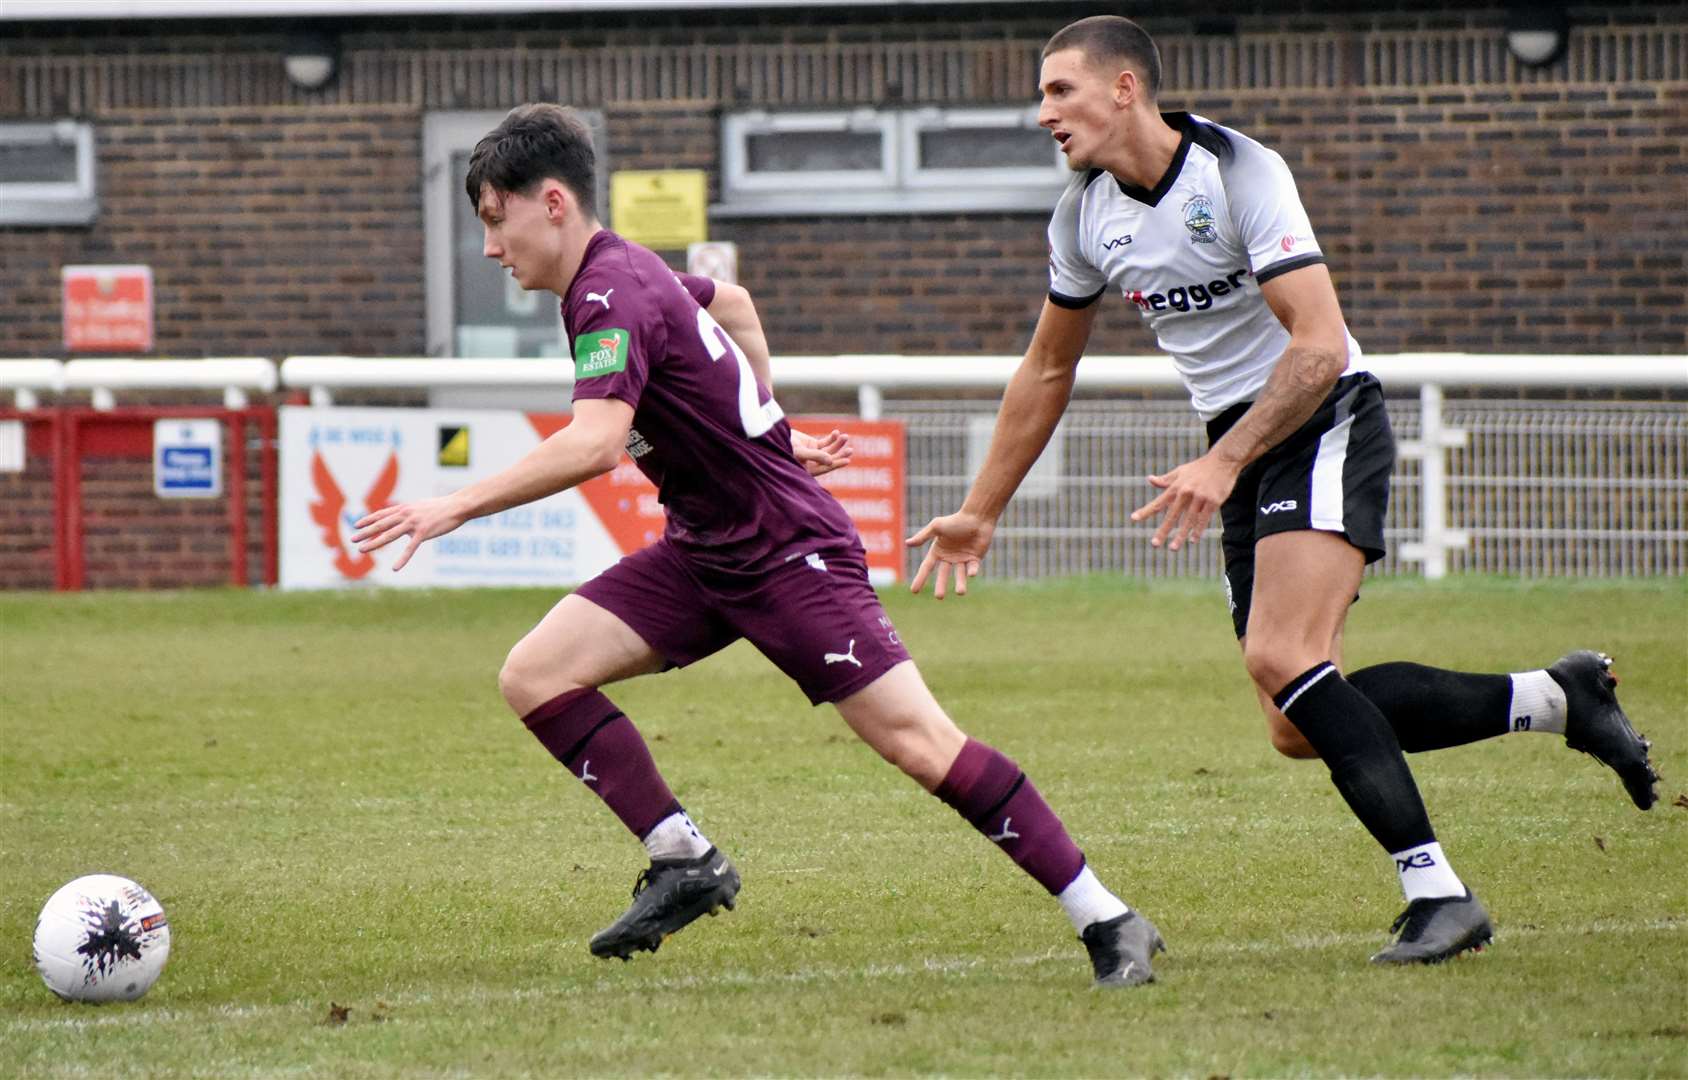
(991,792)
(598,744)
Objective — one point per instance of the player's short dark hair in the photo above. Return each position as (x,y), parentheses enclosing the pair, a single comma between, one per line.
(531,144)
(1112,38)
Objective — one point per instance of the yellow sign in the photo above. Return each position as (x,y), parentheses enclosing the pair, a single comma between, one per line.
(663,210)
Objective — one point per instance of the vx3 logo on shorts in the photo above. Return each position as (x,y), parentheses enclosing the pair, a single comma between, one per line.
(1418,860)
(848,655)
(1282,504)
(602,298)
(1006,834)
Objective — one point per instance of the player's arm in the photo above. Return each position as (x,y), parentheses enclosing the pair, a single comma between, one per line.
(589,446)
(734,309)
(1032,405)
(1304,300)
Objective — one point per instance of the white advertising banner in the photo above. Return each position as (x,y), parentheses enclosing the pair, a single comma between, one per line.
(339,464)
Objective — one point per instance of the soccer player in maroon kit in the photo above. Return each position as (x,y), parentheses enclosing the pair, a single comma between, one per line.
(753,548)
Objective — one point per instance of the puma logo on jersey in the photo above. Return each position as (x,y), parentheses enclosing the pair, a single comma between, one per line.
(848,655)
(602,298)
(1282,504)
(1006,833)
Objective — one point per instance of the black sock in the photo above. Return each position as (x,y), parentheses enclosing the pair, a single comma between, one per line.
(1431,708)
(1358,747)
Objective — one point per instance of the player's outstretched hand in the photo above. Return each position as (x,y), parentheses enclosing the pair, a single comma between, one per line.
(959,542)
(1189,496)
(821,455)
(420,520)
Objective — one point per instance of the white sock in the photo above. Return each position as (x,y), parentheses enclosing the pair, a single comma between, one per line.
(1086,900)
(675,837)
(1425,873)
(1538,703)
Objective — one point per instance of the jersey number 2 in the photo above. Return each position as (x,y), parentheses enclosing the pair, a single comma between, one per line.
(758,418)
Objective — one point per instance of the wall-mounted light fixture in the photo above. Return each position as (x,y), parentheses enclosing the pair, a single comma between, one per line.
(313,59)
(1536,33)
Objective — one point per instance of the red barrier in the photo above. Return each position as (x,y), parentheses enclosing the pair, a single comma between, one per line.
(76,432)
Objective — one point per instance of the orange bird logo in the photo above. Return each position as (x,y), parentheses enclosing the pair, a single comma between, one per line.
(330,508)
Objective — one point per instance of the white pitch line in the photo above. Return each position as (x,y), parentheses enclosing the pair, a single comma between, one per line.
(753,979)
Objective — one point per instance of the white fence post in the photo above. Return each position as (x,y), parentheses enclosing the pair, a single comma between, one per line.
(870,403)
(1431,449)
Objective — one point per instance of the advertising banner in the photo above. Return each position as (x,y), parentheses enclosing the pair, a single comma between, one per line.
(339,464)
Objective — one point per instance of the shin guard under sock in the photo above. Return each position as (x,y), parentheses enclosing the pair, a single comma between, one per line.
(598,744)
(1431,708)
(989,790)
(1359,747)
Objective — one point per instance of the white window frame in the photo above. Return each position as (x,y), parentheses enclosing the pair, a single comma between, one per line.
(899,185)
(739,128)
(65,202)
(920,121)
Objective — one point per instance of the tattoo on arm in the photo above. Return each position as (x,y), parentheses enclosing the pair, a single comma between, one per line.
(1293,392)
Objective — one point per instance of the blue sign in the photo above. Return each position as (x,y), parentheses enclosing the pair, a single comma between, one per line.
(187,459)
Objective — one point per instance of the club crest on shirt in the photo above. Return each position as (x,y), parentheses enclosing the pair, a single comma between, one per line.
(1198,218)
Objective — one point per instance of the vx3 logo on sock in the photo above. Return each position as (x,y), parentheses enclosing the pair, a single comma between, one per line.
(586,772)
(1522,723)
(1006,833)
(1418,860)
(849,654)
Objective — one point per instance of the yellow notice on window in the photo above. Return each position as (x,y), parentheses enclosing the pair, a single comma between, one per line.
(661,209)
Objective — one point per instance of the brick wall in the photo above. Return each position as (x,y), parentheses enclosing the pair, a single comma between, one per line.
(1499,210)
(269,232)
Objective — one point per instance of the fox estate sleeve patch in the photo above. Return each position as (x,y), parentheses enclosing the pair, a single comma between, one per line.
(600,352)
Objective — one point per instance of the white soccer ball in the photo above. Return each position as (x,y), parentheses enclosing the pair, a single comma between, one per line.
(101,938)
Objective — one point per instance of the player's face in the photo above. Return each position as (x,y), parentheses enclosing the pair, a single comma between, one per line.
(1078,106)
(518,235)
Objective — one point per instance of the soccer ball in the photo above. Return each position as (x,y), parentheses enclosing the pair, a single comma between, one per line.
(101,938)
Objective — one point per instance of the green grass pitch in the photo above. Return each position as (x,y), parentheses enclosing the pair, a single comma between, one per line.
(335,808)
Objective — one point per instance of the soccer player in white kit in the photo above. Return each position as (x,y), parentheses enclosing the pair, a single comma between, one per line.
(1201,228)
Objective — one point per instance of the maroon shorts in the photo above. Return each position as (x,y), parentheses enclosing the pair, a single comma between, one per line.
(816,618)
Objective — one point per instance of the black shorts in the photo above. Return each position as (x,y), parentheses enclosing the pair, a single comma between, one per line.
(1331,475)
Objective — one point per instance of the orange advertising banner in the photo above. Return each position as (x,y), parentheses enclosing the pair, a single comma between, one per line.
(870,489)
(108,309)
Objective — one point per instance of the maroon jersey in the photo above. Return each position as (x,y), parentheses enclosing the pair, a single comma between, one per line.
(705,431)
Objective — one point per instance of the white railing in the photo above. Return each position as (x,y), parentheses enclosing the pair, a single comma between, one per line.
(103,378)
(1631,505)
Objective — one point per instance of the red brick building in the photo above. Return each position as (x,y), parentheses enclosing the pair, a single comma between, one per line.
(1466,201)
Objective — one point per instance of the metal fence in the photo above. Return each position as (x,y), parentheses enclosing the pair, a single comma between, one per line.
(1561,488)
(1531,487)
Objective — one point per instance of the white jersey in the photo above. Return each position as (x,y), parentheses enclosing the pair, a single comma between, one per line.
(1192,255)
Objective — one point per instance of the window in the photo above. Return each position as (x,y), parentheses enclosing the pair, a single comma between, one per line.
(47,174)
(888,161)
(474,307)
